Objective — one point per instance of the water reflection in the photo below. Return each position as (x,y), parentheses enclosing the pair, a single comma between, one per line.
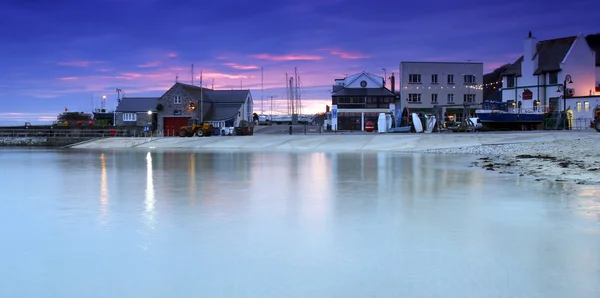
(103,189)
(311,224)
(149,200)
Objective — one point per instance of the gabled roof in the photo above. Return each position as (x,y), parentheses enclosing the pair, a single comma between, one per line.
(351,79)
(217,105)
(137,104)
(593,41)
(514,69)
(550,53)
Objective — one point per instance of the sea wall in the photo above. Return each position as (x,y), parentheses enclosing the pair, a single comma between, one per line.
(41,141)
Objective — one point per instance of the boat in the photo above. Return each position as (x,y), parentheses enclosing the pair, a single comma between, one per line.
(417,122)
(104,117)
(400,129)
(503,115)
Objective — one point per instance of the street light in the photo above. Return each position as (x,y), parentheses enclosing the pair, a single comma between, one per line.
(149,112)
(569,81)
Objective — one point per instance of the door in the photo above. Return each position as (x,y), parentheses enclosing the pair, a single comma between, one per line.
(171,125)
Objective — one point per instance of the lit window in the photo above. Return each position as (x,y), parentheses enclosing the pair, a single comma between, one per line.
(129,117)
(578,106)
(586,106)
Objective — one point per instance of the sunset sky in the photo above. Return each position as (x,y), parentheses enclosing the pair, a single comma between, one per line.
(58,54)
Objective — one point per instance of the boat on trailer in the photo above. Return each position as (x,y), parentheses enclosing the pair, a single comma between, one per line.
(504,115)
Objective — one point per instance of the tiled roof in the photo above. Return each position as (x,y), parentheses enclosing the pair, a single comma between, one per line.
(137,104)
(550,53)
(593,41)
(514,69)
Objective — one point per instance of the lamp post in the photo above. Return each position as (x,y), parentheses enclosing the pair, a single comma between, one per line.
(565,82)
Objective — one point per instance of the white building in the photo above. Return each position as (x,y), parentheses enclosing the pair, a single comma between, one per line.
(360,98)
(536,78)
(425,84)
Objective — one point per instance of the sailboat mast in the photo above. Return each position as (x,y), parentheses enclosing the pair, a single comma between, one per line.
(201,99)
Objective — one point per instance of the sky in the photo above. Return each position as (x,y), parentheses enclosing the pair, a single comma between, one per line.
(69,53)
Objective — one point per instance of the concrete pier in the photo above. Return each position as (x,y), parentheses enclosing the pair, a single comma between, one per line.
(338,142)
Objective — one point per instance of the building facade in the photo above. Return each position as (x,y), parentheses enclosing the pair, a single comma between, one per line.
(222,108)
(137,113)
(536,79)
(425,85)
(360,98)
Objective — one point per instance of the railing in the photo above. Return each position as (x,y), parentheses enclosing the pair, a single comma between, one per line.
(562,123)
(72,132)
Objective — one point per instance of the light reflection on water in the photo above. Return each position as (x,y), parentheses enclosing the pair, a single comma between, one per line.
(230,224)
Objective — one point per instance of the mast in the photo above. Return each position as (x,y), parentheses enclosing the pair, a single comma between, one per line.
(201,99)
(262,91)
(192,74)
(287,93)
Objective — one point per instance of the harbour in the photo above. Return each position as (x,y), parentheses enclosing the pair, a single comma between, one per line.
(294,224)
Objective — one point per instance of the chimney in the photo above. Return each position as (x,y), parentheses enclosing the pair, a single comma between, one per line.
(393,82)
(529,48)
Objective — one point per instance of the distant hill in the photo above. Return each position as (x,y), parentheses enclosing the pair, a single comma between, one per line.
(492,82)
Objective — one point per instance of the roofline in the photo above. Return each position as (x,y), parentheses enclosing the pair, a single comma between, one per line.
(564,59)
(441,62)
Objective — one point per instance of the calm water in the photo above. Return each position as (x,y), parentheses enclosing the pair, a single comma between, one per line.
(180,224)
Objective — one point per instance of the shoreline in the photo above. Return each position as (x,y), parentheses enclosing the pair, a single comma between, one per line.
(560,156)
(573,161)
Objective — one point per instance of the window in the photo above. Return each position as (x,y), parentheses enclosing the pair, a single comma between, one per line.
(434,79)
(586,106)
(553,77)
(129,117)
(434,98)
(414,98)
(578,105)
(450,79)
(450,98)
(414,79)
(469,79)
(510,81)
(177,99)
(469,98)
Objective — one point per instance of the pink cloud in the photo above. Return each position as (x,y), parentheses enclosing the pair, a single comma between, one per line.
(68,78)
(290,57)
(222,75)
(149,64)
(176,68)
(78,63)
(347,55)
(242,67)
(171,55)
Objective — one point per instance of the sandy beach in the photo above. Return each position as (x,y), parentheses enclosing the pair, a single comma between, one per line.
(574,160)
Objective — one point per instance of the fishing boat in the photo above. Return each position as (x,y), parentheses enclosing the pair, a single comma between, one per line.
(503,115)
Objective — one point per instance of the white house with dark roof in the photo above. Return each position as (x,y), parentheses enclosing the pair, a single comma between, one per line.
(536,78)
(133,112)
(360,98)
(222,108)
